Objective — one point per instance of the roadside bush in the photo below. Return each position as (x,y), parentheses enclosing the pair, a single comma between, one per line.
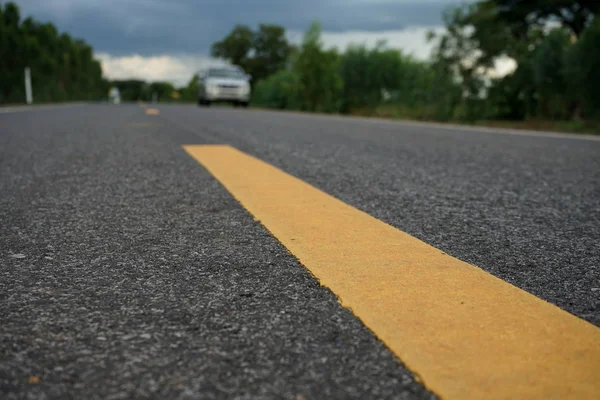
(319,82)
(583,70)
(367,73)
(549,75)
(279,91)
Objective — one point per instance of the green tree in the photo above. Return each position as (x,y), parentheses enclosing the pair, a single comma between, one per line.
(259,53)
(62,68)
(163,90)
(523,15)
(189,93)
(582,68)
(549,74)
(11,61)
(479,34)
(133,89)
(279,91)
(457,52)
(271,51)
(367,73)
(429,90)
(319,82)
(514,96)
(555,75)
(236,46)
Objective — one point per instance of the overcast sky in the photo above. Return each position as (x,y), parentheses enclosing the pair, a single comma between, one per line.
(167,39)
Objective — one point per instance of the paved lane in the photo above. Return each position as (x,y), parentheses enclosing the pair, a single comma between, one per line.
(524,208)
(127,270)
(429,308)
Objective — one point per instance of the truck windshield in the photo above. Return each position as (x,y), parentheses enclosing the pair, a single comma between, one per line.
(225,73)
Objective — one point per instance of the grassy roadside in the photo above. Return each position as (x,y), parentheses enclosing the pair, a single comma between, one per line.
(581,127)
(576,127)
(570,127)
(391,113)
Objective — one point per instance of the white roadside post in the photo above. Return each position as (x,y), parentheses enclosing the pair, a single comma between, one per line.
(29,96)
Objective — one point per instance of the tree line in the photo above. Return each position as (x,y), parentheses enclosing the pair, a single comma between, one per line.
(140,90)
(555,45)
(62,68)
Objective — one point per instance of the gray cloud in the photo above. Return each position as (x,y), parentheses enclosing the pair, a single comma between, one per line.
(148,27)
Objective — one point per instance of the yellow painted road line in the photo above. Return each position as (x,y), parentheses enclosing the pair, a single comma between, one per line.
(467,334)
(152,111)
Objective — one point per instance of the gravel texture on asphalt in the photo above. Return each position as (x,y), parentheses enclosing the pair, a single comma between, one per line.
(127,271)
(524,208)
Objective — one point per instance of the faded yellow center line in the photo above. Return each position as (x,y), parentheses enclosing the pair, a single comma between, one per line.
(152,111)
(467,334)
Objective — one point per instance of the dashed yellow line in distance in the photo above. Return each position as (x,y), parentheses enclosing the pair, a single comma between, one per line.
(466,333)
(152,111)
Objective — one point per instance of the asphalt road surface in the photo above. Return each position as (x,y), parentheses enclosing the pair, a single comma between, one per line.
(128,271)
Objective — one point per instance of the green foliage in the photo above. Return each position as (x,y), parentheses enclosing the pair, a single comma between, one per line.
(133,89)
(311,83)
(279,91)
(523,15)
(367,73)
(556,76)
(189,93)
(480,34)
(424,91)
(259,53)
(458,52)
(138,90)
(513,97)
(359,81)
(62,68)
(583,71)
(236,46)
(165,91)
(271,51)
(319,82)
(549,74)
